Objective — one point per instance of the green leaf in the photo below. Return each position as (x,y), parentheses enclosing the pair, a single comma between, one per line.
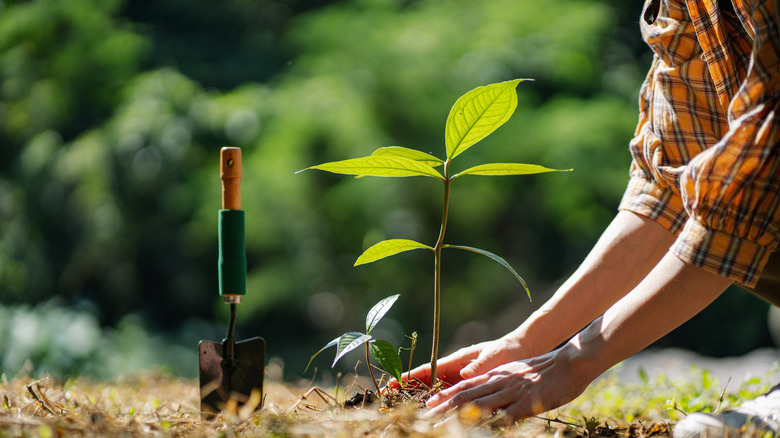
(379,166)
(496,258)
(387,355)
(411,154)
(386,248)
(348,342)
(478,113)
(499,169)
(328,345)
(378,311)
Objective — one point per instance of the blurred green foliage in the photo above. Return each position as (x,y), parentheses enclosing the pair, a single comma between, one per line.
(112,114)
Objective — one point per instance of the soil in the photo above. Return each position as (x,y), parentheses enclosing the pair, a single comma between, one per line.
(162,405)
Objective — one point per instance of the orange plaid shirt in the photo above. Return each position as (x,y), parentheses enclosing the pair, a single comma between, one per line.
(706,153)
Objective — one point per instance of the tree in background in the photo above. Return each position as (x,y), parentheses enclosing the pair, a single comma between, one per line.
(62,65)
(112,113)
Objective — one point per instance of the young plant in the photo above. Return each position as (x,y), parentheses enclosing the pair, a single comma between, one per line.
(474,116)
(382,351)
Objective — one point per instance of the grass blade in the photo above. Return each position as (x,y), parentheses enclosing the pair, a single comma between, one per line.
(386,248)
(497,259)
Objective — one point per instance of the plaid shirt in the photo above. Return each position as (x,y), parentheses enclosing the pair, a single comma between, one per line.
(706,153)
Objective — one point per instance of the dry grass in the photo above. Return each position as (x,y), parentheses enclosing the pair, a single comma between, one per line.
(160,405)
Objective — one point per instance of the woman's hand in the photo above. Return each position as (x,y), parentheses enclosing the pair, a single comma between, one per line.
(653,308)
(471,361)
(493,354)
(519,389)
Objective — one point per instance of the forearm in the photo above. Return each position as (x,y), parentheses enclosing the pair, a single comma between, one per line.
(627,250)
(670,295)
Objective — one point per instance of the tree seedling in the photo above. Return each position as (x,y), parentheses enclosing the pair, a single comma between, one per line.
(474,116)
(382,351)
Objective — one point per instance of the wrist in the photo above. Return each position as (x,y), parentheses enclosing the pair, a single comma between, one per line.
(537,335)
(515,347)
(584,363)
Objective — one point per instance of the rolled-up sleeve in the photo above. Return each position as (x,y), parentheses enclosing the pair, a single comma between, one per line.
(706,151)
(650,192)
(680,115)
(731,191)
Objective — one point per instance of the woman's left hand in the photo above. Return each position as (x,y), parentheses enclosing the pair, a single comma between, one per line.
(519,389)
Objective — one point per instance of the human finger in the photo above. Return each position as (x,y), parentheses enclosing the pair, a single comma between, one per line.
(494,354)
(459,394)
(487,359)
(523,408)
(448,368)
(496,390)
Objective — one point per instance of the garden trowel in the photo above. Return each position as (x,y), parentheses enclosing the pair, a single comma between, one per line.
(231,373)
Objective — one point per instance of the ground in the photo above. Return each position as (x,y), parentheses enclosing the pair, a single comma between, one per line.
(632,400)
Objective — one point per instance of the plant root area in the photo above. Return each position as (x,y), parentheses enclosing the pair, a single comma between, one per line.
(157,404)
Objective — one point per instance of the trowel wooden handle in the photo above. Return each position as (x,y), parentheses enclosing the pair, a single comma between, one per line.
(230,172)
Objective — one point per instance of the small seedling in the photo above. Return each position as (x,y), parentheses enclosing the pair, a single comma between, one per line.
(474,116)
(382,351)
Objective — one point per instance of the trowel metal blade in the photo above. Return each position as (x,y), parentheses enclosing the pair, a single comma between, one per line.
(216,387)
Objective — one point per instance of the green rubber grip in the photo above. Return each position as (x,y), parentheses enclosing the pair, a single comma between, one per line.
(232,253)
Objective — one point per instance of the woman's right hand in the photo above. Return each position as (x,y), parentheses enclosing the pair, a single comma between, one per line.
(470,361)
(492,354)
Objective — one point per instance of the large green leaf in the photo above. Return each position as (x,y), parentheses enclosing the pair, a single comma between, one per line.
(348,342)
(478,113)
(390,166)
(328,345)
(378,311)
(386,248)
(498,169)
(412,154)
(496,258)
(387,355)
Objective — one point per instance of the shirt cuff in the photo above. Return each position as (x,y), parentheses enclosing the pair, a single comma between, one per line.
(659,204)
(714,251)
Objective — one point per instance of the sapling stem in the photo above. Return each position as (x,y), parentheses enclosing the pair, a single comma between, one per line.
(437,272)
(370,371)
